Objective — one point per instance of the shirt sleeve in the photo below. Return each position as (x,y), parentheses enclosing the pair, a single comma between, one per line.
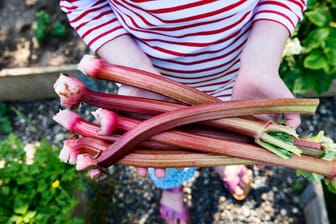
(93,20)
(286,12)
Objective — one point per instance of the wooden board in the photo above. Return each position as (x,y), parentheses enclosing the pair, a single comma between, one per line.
(314,206)
(37,83)
(31,83)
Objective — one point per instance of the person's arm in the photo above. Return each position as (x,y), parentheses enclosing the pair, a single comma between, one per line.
(258,76)
(93,20)
(96,24)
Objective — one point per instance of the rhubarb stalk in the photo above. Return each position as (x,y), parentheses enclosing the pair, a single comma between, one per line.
(206,144)
(98,68)
(187,115)
(162,159)
(259,130)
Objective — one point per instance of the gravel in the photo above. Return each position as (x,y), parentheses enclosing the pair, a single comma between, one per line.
(274,198)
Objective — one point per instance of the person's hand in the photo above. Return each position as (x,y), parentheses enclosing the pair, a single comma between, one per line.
(132,91)
(259,64)
(257,86)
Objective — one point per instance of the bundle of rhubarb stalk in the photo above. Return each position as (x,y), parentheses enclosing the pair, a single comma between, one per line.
(197,130)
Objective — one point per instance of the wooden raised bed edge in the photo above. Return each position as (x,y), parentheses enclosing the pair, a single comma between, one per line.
(313,203)
(35,83)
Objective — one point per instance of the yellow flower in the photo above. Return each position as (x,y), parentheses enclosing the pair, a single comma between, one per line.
(55,184)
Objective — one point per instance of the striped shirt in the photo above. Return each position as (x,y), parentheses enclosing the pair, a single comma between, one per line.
(197,43)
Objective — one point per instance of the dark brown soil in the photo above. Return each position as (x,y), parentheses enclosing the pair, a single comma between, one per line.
(19,47)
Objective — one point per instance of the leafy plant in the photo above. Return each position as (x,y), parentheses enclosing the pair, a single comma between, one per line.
(44,27)
(314,68)
(5,123)
(39,190)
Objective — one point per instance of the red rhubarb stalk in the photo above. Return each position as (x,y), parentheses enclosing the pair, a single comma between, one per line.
(98,68)
(72,92)
(150,157)
(250,127)
(184,116)
(162,159)
(173,138)
(73,122)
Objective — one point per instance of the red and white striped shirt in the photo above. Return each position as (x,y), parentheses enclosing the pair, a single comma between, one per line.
(197,43)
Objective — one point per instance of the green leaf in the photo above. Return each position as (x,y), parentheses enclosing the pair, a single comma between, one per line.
(330,42)
(319,16)
(315,60)
(5,190)
(16,219)
(58,29)
(297,185)
(331,56)
(29,216)
(331,185)
(315,38)
(43,18)
(41,33)
(311,3)
(330,47)
(20,208)
(316,178)
(303,84)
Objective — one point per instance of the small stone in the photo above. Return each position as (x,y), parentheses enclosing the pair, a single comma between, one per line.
(264,196)
(295,210)
(246,212)
(283,212)
(60,137)
(267,207)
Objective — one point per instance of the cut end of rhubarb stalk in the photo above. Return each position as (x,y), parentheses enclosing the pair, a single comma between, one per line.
(64,155)
(69,89)
(68,119)
(89,64)
(84,162)
(69,153)
(108,121)
(325,145)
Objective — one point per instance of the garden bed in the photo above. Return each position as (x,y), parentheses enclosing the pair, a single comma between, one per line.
(28,71)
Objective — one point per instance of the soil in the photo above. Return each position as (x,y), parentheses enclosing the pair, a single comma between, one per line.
(272,200)
(19,47)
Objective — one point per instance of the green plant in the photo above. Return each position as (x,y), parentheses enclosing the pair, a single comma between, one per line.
(44,27)
(38,190)
(5,123)
(314,68)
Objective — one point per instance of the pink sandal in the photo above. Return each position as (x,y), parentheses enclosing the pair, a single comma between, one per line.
(167,213)
(231,183)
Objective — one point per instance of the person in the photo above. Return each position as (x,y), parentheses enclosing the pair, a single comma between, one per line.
(228,49)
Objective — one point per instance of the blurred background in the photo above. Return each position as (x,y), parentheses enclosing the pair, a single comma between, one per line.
(37,43)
